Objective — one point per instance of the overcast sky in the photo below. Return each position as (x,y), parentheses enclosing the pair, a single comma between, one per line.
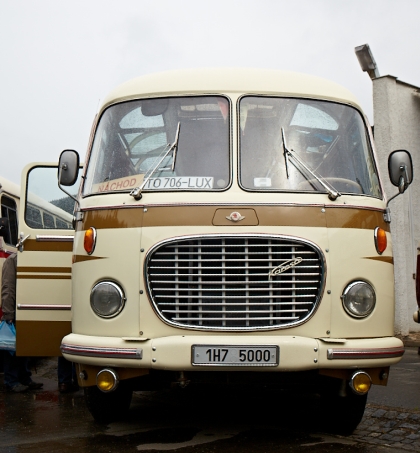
(58,59)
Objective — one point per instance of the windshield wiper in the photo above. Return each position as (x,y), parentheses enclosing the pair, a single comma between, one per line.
(136,192)
(293,156)
(285,152)
(175,145)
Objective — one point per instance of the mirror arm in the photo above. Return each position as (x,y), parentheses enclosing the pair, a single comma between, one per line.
(403,183)
(387,212)
(64,167)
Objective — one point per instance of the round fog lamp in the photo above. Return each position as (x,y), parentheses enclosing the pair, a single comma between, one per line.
(107,299)
(359,299)
(107,380)
(360,382)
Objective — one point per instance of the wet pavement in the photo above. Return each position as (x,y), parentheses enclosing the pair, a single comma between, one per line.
(209,421)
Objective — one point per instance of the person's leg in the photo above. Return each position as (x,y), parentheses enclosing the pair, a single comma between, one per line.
(67,381)
(64,371)
(25,375)
(12,364)
(24,372)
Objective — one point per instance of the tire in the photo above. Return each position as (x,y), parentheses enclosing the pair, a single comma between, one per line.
(108,407)
(342,414)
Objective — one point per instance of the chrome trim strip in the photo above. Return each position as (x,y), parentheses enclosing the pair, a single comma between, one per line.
(229,204)
(371,353)
(43,307)
(110,353)
(53,238)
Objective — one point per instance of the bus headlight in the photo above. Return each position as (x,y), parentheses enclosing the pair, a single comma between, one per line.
(359,299)
(107,299)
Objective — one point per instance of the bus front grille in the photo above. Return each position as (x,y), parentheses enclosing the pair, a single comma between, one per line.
(240,282)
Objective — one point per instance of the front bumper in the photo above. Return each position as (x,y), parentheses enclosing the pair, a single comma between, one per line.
(174,352)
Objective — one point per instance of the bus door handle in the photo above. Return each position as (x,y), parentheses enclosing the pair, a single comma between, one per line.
(22,239)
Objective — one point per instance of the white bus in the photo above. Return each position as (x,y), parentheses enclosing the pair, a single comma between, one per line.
(231,226)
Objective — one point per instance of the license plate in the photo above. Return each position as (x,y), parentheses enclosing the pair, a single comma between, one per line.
(226,355)
(179,182)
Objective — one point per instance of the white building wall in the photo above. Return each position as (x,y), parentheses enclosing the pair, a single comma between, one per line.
(396,110)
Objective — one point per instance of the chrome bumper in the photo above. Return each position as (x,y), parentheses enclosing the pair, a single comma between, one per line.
(174,352)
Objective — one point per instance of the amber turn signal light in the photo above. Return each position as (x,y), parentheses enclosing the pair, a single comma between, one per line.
(380,240)
(90,240)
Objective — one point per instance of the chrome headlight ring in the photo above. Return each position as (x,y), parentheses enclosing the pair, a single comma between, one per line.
(359,299)
(107,299)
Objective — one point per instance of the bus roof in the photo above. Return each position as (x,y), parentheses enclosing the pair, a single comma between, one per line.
(230,80)
(9,187)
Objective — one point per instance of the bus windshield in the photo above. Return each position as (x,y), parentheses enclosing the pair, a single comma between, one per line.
(164,144)
(289,144)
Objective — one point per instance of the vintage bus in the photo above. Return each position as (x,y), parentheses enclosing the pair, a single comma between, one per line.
(39,212)
(42,318)
(231,227)
(9,202)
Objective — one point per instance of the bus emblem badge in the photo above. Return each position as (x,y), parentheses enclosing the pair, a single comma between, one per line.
(289,264)
(235,217)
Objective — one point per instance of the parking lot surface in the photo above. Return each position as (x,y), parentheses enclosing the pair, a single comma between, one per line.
(198,421)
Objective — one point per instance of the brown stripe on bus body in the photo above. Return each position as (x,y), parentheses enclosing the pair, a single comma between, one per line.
(31,245)
(81,258)
(49,270)
(343,217)
(267,215)
(384,259)
(43,277)
(31,339)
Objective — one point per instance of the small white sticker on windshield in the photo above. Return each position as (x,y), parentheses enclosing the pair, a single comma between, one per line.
(179,183)
(262,182)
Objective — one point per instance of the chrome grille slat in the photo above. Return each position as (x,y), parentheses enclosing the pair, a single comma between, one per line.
(235,275)
(212,304)
(234,282)
(231,259)
(223,261)
(233,312)
(306,288)
(228,297)
(237,319)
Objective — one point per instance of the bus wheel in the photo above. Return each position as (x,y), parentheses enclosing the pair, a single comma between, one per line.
(342,414)
(108,407)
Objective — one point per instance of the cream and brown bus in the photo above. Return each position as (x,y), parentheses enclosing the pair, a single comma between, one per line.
(231,226)
(41,230)
(39,212)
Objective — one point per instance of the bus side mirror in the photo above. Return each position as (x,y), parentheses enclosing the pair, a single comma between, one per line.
(68,167)
(400,168)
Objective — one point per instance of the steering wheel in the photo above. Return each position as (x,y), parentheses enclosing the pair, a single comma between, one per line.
(340,184)
(143,136)
(153,153)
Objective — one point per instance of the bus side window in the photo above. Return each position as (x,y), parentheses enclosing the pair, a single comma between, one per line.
(33,217)
(63,225)
(48,220)
(9,210)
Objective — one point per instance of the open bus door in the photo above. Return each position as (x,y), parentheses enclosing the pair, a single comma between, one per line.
(43,292)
